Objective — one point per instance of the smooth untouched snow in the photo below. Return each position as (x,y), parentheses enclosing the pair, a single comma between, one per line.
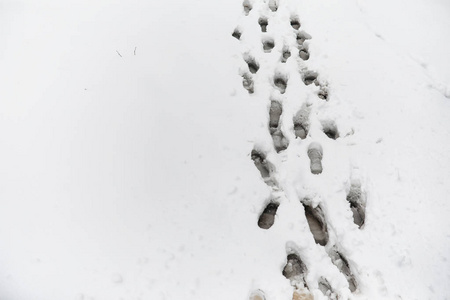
(126,138)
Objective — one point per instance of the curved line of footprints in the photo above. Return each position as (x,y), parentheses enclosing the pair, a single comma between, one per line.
(295,269)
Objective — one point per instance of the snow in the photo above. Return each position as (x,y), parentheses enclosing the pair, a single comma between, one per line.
(126,136)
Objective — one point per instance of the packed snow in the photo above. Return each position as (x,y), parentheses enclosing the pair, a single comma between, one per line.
(245,149)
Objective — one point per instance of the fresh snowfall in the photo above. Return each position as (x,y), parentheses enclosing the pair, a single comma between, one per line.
(228,149)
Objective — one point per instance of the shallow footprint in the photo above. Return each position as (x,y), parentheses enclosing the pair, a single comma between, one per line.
(267,218)
(247,83)
(247,7)
(357,205)
(315,154)
(301,122)
(273,5)
(342,264)
(280,142)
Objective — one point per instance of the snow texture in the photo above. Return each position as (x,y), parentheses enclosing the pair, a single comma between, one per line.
(244,149)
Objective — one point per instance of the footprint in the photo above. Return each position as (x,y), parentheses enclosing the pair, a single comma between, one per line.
(295,270)
(302,294)
(280,142)
(325,288)
(237,34)
(330,129)
(267,218)
(295,23)
(247,83)
(304,53)
(268,45)
(310,77)
(357,205)
(286,54)
(280,82)
(257,295)
(264,167)
(342,264)
(263,22)
(253,66)
(273,5)
(317,224)
(275,111)
(247,7)
(315,154)
(301,123)
(323,93)
(302,37)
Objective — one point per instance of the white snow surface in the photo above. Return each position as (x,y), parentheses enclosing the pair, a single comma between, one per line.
(125,141)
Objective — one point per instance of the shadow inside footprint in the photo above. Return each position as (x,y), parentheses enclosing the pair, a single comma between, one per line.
(309,77)
(295,23)
(295,270)
(330,129)
(268,45)
(236,34)
(304,54)
(259,159)
(253,66)
(286,54)
(342,264)
(263,22)
(323,93)
(357,205)
(315,154)
(317,224)
(267,218)
(247,83)
(280,81)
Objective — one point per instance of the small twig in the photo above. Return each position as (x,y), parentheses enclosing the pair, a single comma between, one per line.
(135,50)
(118,53)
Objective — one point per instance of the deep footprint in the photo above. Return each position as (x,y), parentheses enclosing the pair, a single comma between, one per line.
(301,122)
(317,224)
(286,54)
(315,154)
(280,81)
(268,45)
(304,54)
(267,218)
(295,270)
(309,77)
(263,22)
(342,264)
(236,34)
(253,65)
(355,198)
(330,129)
(295,23)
